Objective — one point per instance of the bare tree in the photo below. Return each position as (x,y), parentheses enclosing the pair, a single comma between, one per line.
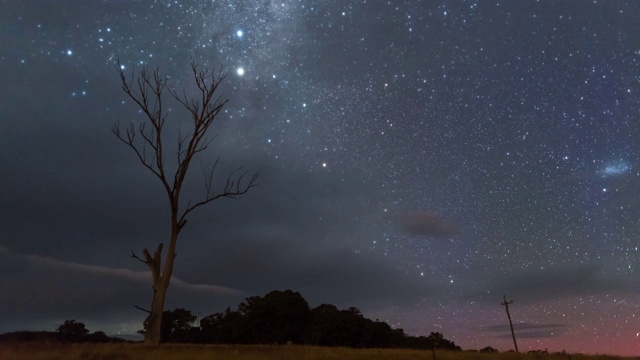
(147,90)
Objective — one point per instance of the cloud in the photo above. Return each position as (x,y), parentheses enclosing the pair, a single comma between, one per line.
(298,239)
(322,273)
(45,290)
(121,273)
(536,284)
(427,223)
(527,330)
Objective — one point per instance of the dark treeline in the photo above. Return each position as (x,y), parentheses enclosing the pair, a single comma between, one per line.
(281,317)
(69,331)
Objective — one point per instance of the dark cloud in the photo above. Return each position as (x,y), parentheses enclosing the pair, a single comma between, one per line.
(427,223)
(298,239)
(553,282)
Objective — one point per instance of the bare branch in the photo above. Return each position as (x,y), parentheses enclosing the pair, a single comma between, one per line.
(181,224)
(133,255)
(208,178)
(143,309)
(129,140)
(145,90)
(232,189)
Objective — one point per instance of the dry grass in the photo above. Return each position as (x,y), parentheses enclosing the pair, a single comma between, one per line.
(42,351)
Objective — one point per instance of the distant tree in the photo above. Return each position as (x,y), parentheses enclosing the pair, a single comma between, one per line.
(230,327)
(27,336)
(322,325)
(177,326)
(445,344)
(98,337)
(427,342)
(72,331)
(147,90)
(332,327)
(488,349)
(354,311)
(379,334)
(398,338)
(278,317)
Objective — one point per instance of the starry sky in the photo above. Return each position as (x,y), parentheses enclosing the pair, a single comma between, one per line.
(419,160)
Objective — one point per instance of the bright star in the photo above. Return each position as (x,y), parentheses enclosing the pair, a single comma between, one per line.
(240,71)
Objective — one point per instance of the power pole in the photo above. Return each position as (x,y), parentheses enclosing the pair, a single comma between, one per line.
(513,335)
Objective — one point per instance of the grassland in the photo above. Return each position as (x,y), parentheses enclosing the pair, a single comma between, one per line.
(128,351)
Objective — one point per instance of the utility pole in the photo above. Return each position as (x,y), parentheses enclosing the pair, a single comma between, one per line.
(513,335)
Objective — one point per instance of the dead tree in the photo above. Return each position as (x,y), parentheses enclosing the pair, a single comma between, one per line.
(148,91)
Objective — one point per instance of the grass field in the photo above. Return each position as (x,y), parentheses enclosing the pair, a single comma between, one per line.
(128,351)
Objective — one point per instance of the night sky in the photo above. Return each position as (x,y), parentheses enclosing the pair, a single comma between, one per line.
(419,160)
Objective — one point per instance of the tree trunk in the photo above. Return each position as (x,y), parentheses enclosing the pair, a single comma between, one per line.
(160,285)
(154,320)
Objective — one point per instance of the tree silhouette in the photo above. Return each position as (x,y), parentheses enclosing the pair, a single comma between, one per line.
(98,337)
(177,326)
(488,349)
(230,327)
(282,316)
(72,331)
(278,317)
(147,90)
(332,327)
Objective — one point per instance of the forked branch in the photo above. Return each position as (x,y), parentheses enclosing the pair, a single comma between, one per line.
(234,187)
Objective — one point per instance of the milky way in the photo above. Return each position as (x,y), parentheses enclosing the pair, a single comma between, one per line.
(420,160)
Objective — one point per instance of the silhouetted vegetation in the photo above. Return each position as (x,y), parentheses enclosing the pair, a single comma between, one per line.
(72,331)
(68,332)
(281,317)
(488,349)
